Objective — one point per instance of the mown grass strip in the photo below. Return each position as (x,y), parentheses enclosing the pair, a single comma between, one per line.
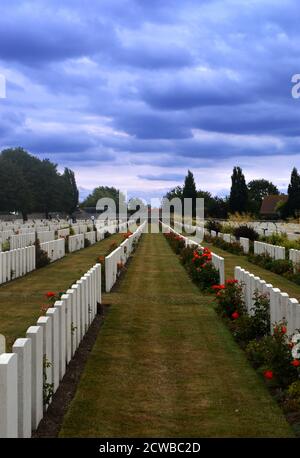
(22,299)
(165,365)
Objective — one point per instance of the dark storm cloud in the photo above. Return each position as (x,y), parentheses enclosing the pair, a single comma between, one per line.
(166,83)
(163,177)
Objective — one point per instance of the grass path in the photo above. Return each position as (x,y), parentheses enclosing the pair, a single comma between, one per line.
(21,300)
(164,364)
(232,260)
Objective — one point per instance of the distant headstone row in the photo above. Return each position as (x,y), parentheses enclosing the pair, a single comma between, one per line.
(16,263)
(119,257)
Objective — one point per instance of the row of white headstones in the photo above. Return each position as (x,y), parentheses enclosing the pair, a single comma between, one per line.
(18,262)
(120,256)
(282,307)
(23,235)
(274,251)
(38,362)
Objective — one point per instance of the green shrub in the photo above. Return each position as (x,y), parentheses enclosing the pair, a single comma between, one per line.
(293,390)
(291,402)
(229,299)
(6,246)
(242,329)
(278,266)
(247,232)
(260,315)
(87,243)
(41,256)
(66,244)
(281,266)
(234,248)
(281,239)
(197,261)
(227,228)
(256,325)
(176,241)
(295,277)
(273,353)
(204,277)
(186,255)
(213,225)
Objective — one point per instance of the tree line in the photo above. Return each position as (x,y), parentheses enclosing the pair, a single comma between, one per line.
(29,184)
(243,197)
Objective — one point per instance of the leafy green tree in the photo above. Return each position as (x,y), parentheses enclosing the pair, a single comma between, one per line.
(48,196)
(135,204)
(189,190)
(258,189)
(293,203)
(28,184)
(218,207)
(238,199)
(175,192)
(14,190)
(103,192)
(16,186)
(70,195)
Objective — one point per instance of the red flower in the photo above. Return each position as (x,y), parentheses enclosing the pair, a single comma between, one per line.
(231,281)
(296,363)
(216,287)
(235,315)
(281,329)
(50,294)
(268,375)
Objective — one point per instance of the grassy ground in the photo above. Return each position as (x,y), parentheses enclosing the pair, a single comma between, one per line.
(232,260)
(21,300)
(164,364)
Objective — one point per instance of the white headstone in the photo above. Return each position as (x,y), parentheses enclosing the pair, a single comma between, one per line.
(2,344)
(35,333)
(8,396)
(22,347)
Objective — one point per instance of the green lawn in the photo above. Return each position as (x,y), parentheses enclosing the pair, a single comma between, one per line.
(232,260)
(21,300)
(165,365)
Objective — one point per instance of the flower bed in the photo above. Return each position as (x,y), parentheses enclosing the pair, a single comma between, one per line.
(234,247)
(282,267)
(197,261)
(269,353)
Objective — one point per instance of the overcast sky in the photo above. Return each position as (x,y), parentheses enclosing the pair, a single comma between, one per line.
(132,93)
